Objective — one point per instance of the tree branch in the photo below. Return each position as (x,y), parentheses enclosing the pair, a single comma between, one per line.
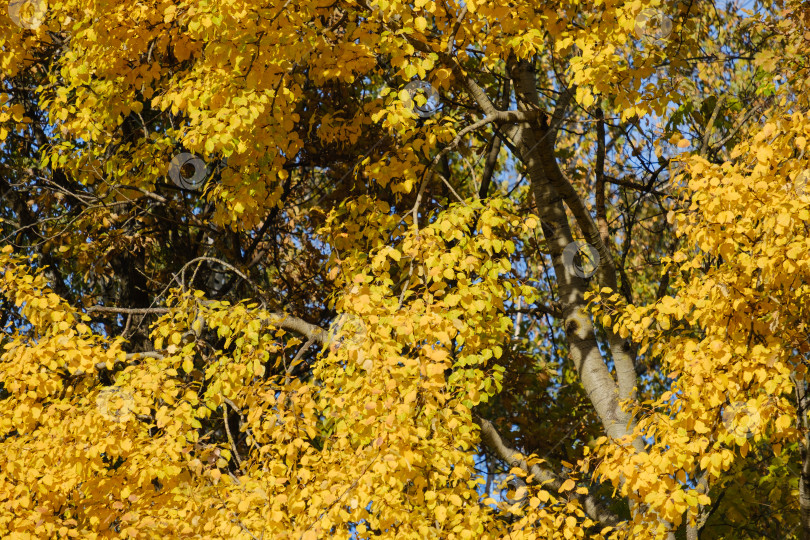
(279,320)
(546,477)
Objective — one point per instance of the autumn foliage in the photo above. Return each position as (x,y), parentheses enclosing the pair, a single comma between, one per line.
(374,268)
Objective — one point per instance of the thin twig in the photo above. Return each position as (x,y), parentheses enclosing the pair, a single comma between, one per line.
(230,437)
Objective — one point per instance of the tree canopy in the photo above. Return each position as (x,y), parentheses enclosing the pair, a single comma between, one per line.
(404,269)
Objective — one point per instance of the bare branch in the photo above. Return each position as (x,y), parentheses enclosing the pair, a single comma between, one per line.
(127,311)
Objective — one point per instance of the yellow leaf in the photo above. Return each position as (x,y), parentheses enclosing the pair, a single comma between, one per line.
(567,485)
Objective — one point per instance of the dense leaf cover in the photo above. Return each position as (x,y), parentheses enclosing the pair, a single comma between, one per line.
(428,269)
